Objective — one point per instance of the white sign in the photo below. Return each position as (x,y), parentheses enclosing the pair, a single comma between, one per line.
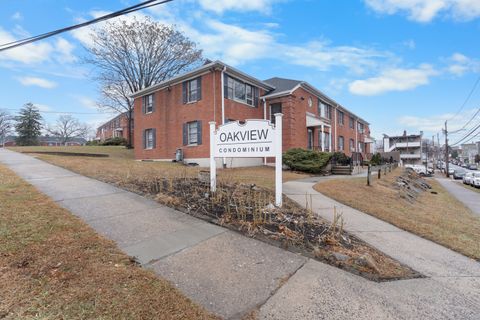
(254,138)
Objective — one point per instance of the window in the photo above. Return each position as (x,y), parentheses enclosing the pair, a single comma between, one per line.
(321,109)
(351,123)
(352,145)
(310,102)
(149,138)
(328,111)
(340,143)
(192,90)
(192,133)
(327,141)
(240,91)
(275,108)
(192,128)
(340,117)
(360,147)
(148,103)
(361,128)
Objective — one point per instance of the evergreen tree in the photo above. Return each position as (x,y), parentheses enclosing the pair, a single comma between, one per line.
(28,125)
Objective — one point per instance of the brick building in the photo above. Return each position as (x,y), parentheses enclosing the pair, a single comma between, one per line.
(175,114)
(116,127)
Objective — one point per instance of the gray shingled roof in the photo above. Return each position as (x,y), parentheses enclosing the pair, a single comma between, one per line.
(282,84)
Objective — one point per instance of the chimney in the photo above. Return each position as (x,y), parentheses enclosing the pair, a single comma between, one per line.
(404,133)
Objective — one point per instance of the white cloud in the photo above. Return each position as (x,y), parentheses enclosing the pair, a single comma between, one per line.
(323,56)
(396,79)
(43,107)
(64,50)
(17,16)
(30,53)
(435,122)
(39,82)
(87,102)
(459,64)
(220,6)
(427,10)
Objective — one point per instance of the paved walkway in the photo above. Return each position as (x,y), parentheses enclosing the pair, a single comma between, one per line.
(230,274)
(469,198)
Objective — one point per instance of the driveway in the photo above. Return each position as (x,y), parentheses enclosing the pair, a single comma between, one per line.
(230,274)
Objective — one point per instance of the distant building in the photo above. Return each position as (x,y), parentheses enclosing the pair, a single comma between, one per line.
(408,146)
(47,141)
(116,127)
(469,151)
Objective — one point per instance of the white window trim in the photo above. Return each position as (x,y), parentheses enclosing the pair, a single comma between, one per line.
(188,134)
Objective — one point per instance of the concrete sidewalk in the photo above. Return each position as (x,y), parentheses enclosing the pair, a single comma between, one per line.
(469,198)
(230,274)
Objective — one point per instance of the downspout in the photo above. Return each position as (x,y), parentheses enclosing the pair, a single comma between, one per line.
(335,132)
(224,160)
(265,118)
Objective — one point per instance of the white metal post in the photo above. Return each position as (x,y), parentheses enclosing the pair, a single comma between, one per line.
(213,164)
(278,159)
(322,137)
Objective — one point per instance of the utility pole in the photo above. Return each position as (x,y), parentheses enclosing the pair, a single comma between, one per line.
(446,151)
(434,156)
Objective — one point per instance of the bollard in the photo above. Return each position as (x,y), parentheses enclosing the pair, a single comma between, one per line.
(379,173)
(369,172)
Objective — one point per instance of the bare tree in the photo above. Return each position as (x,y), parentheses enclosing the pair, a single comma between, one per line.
(67,127)
(6,125)
(132,55)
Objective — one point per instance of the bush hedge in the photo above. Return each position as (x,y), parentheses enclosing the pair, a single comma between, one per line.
(117,141)
(306,160)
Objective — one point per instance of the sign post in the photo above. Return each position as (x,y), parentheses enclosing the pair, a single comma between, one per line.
(255,138)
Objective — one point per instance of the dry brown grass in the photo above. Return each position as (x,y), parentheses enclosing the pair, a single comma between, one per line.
(53,266)
(439,217)
(120,166)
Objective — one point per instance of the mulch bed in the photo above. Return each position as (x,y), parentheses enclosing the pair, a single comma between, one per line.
(248,209)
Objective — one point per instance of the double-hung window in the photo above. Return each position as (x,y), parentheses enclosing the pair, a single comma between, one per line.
(351,123)
(149,138)
(327,141)
(340,143)
(192,90)
(361,128)
(352,145)
(340,117)
(192,131)
(148,103)
(328,111)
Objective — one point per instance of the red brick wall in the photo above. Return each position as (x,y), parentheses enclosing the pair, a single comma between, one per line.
(170,114)
(110,126)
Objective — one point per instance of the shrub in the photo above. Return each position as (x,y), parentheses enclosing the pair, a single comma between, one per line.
(342,159)
(92,143)
(117,141)
(306,160)
(376,159)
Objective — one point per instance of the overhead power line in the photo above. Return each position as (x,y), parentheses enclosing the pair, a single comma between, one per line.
(140,6)
(467,98)
(64,112)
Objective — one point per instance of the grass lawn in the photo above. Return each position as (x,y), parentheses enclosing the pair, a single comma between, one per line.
(439,217)
(53,266)
(469,187)
(121,166)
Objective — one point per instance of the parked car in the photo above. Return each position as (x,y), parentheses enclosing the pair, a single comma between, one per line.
(472,166)
(421,170)
(459,173)
(468,177)
(476,180)
(451,171)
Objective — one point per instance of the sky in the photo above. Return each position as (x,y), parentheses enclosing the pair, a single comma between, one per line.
(398,64)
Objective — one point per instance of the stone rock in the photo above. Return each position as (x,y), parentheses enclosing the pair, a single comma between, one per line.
(340,256)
